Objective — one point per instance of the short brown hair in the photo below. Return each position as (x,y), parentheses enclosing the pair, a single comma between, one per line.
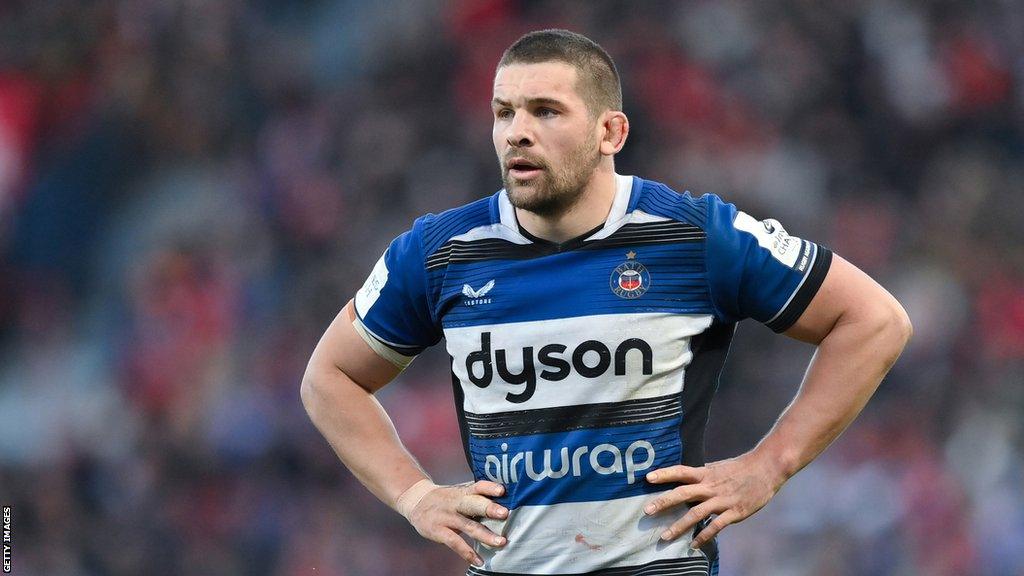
(597,78)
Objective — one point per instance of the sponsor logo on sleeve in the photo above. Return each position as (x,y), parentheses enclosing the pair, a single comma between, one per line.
(771,236)
(367,296)
(805,257)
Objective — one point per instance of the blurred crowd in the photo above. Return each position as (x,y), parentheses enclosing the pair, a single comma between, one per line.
(191,190)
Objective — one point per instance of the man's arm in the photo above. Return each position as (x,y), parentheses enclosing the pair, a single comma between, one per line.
(337,392)
(860,330)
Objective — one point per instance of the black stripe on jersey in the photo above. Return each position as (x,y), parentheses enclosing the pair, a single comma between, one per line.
(637,234)
(460,251)
(655,229)
(459,396)
(616,241)
(642,233)
(565,418)
(805,293)
(710,349)
(696,566)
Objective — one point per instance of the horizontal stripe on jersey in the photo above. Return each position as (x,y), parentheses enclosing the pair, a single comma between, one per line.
(564,418)
(675,567)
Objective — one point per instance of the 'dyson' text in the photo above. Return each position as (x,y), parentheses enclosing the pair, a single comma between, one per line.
(591,359)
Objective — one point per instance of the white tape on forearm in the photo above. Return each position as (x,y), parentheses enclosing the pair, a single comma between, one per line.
(412,496)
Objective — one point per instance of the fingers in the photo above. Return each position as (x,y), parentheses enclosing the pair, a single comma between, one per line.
(445,513)
(456,523)
(486,488)
(452,540)
(480,533)
(496,511)
(678,495)
(479,506)
(476,506)
(678,473)
(715,526)
(694,515)
(732,489)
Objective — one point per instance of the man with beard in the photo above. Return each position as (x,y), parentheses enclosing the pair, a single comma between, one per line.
(588,315)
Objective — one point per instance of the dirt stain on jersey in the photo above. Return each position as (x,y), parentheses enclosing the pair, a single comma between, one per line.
(582,540)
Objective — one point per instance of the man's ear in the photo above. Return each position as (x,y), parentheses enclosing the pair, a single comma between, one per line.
(614,131)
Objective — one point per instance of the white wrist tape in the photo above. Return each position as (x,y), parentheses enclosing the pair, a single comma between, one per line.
(412,496)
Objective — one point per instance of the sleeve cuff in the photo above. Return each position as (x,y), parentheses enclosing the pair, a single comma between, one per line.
(401,361)
(805,292)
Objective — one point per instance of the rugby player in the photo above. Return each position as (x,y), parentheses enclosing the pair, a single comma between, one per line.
(588,315)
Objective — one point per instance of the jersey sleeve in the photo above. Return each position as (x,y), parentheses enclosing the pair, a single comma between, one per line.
(757,270)
(393,311)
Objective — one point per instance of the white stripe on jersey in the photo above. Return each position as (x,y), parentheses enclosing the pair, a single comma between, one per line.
(634,217)
(384,350)
(492,231)
(667,335)
(584,535)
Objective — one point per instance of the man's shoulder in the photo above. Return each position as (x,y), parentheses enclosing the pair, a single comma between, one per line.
(434,230)
(662,200)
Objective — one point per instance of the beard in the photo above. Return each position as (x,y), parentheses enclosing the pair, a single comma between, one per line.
(554,192)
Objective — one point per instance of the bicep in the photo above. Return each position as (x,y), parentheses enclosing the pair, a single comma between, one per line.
(846,294)
(342,348)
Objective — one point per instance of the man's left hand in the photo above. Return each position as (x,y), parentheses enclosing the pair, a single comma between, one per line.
(733,489)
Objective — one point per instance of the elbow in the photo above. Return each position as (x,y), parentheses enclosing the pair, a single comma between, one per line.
(325,389)
(894,330)
(904,327)
(898,325)
(308,393)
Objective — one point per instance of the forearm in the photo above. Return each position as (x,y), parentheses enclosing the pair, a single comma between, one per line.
(846,370)
(360,432)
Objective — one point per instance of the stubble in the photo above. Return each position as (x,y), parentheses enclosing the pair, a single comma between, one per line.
(553,192)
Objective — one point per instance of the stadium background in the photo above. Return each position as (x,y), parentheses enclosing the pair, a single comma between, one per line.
(189,191)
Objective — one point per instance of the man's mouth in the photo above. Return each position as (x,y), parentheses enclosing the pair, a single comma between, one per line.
(523,169)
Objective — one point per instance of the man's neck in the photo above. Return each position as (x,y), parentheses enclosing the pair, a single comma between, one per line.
(587,213)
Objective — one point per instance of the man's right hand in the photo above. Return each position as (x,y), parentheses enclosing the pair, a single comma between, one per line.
(448,511)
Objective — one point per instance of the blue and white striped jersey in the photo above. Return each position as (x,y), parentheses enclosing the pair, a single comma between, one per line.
(578,367)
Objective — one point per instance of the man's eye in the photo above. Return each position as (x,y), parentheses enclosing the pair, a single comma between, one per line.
(503,113)
(546,112)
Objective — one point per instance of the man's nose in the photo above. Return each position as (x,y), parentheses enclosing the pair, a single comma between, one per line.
(518,134)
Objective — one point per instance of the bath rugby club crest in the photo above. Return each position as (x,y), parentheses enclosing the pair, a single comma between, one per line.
(630,279)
